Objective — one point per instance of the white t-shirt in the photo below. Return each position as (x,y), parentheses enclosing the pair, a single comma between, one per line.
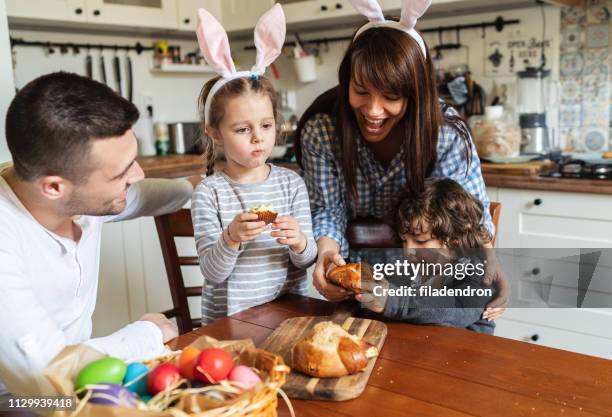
(48,286)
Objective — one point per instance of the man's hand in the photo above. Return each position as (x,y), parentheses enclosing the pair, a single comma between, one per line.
(168,328)
(288,233)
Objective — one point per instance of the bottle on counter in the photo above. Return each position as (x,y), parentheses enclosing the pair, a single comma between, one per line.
(162,139)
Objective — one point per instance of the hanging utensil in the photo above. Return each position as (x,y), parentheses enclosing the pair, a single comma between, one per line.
(88,65)
(117,74)
(102,68)
(129,78)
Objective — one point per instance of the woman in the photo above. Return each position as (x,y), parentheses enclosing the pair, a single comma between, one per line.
(377,135)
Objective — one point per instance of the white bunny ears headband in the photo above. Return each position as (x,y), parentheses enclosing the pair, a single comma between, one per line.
(411,11)
(214,44)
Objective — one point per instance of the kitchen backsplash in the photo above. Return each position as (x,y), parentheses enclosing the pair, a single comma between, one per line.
(585,117)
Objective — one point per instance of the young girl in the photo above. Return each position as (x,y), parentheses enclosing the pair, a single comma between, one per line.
(243,263)
(442,225)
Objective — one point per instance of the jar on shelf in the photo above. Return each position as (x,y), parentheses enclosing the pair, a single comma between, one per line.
(496,134)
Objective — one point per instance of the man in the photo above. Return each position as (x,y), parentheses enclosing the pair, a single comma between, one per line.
(74,168)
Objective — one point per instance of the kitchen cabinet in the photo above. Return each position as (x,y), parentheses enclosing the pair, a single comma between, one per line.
(63,10)
(317,10)
(187,12)
(546,219)
(150,13)
(557,220)
(238,15)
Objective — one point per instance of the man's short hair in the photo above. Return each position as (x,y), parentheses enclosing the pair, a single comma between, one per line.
(52,122)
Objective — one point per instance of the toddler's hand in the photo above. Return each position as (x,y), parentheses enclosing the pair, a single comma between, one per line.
(493,313)
(375,303)
(288,232)
(243,228)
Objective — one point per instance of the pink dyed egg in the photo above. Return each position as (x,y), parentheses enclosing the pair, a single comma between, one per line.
(244,377)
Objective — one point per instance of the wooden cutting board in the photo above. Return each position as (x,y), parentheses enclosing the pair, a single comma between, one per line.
(525,168)
(302,386)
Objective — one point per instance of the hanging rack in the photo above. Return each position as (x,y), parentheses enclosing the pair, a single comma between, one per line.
(138,47)
(499,24)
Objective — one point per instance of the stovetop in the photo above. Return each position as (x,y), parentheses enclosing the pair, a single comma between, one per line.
(578,169)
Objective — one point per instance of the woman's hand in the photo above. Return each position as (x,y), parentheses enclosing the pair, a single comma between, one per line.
(494,275)
(329,257)
(243,228)
(289,233)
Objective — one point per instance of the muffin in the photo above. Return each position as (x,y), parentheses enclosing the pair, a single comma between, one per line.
(265,213)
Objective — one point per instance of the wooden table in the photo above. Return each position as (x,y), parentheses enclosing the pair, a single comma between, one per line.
(443,372)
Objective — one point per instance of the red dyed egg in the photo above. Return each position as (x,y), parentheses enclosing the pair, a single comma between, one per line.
(213,365)
(163,377)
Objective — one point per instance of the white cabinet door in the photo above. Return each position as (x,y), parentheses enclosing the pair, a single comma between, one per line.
(66,10)
(317,10)
(187,12)
(133,13)
(113,302)
(243,14)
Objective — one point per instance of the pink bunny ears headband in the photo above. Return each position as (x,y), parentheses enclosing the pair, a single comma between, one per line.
(214,44)
(411,11)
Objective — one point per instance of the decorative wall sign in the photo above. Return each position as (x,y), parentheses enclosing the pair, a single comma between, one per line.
(508,56)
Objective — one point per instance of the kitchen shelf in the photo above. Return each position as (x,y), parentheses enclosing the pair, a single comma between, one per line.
(183,68)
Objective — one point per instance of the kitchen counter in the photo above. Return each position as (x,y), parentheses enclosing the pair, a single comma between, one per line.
(175,166)
(171,166)
(441,371)
(534,182)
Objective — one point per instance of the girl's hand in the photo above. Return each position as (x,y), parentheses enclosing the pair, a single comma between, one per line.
(243,228)
(288,233)
(326,261)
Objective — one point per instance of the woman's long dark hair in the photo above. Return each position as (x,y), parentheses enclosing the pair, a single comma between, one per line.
(392,62)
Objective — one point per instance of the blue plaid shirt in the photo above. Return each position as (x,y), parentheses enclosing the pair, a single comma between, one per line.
(378,187)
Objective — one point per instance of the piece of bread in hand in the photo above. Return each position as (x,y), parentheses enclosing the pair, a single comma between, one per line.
(350,276)
(329,351)
(265,213)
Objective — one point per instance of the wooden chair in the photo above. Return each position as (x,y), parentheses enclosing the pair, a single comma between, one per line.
(170,226)
(367,233)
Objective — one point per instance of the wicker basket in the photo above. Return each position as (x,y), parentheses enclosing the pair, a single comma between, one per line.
(261,401)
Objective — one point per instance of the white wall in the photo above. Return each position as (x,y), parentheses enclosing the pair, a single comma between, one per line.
(7,88)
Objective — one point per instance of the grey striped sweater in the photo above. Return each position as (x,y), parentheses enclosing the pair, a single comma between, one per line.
(261,269)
